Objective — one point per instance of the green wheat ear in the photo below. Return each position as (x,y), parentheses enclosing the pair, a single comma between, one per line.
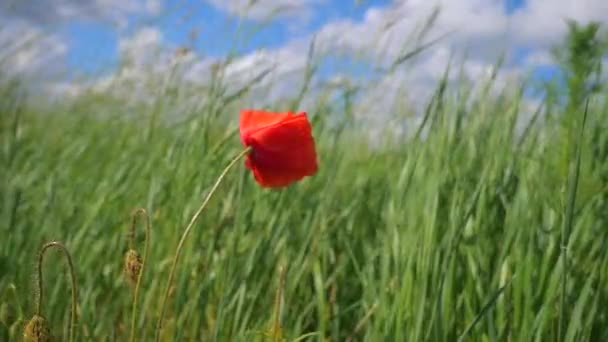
(134,263)
(38,328)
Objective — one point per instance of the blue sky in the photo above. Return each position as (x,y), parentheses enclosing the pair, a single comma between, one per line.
(512,5)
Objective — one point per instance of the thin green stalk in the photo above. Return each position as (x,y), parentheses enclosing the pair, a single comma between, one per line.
(361,324)
(573,176)
(484,310)
(276,326)
(144,213)
(184,236)
(67,255)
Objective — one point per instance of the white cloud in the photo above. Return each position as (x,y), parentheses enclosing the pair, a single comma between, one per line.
(53,12)
(389,31)
(539,57)
(381,36)
(542,23)
(144,58)
(28,50)
(481,32)
(478,37)
(30,43)
(281,62)
(153,6)
(142,46)
(265,9)
(150,65)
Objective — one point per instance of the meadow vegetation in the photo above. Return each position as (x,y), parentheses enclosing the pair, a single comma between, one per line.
(487,222)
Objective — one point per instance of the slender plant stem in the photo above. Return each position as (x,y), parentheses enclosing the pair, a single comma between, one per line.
(136,214)
(361,324)
(184,236)
(276,328)
(573,175)
(68,257)
(484,310)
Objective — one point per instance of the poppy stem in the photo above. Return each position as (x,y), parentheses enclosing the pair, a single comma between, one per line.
(184,236)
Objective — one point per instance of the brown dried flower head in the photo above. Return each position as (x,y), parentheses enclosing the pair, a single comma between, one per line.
(133,265)
(37,330)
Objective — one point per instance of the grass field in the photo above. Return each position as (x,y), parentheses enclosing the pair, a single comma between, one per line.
(453,231)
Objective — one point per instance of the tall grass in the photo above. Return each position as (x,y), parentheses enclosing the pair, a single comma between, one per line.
(451,233)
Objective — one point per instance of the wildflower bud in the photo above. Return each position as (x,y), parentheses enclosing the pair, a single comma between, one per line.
(133,264)
(37,330)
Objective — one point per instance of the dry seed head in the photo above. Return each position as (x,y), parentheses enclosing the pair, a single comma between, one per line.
(37,330)
(133,264)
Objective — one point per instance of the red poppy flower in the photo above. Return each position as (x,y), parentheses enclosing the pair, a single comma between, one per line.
(282,146)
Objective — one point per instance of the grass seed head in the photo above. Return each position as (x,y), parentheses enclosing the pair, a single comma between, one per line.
(133,265)
(37,330)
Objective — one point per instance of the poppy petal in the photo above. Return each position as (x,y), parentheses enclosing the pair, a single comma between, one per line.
(283,149)
(286,146)
(253,120)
